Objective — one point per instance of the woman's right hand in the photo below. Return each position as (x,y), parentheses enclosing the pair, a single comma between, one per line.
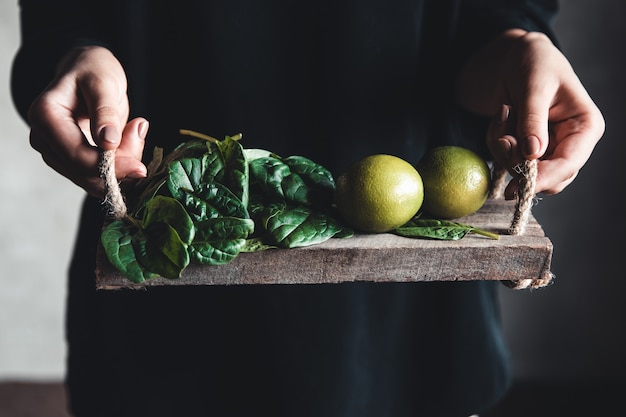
(83,112)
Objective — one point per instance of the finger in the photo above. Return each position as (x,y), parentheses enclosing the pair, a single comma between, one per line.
(93,185)
(107,105)
(106,124)
(532,121)
(573,140)
(558,169)
(84,174)
(56,135)
(553,176)
(130,151)
(502,145)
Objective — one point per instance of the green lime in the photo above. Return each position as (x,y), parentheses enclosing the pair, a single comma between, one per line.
(379,193)
(456,182)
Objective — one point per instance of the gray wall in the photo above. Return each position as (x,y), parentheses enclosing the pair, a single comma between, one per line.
(38,210)
(571,330)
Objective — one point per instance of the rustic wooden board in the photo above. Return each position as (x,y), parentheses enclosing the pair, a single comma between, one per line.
(379,258)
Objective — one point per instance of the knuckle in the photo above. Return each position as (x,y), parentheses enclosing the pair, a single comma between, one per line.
(39,109)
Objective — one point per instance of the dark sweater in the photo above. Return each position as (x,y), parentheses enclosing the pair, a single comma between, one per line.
(329,80)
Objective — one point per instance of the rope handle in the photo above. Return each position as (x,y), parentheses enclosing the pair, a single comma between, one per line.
(527,171)
(113,199)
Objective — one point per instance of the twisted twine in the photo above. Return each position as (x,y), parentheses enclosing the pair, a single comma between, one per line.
(113,199)
(525,198)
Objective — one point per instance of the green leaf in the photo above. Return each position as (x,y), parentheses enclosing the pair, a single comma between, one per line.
(439,229)
(273,178)
(254,153)
(217,252)
(190,149)
(225,202)
(220,239)
(295,189)
(311,172)
(192,174)
(291,227)
(223,228)
(236,168)
(267,174)
(256,245)
(168,210)
(117,243)
(213,201)
(160,250)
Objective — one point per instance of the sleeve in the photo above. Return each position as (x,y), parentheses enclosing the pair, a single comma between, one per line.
(475,23)
(481,20)
(48,30)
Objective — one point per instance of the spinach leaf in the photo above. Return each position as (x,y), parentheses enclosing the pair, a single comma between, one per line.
(439,229)
(236,168)
(267,175)
(160,250)
(216,252)
(312,172)
(168,210)
(319,180)
(212,201)
(254,153)
(191,174)
(296,226)
(295,179)
(190,149)
(219,240)
(117,243)
(256,245)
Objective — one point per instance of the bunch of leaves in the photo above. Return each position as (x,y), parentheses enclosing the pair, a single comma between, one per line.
(209,200)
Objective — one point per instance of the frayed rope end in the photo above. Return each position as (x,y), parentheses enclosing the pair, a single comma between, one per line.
(113,199)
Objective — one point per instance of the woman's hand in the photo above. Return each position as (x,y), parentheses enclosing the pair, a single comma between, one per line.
(541,108)
(84,111)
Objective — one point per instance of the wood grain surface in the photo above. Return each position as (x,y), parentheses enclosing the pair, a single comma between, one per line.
(377,257)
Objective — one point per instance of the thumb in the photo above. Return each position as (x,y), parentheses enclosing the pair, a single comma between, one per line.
(128,155)
(107,105)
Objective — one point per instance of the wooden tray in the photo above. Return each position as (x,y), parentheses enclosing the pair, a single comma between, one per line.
(377,257)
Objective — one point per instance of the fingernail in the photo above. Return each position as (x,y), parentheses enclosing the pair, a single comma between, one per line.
(531,145)
(109,134)
(136,175)
(142,129)
(505,147)
(511,192)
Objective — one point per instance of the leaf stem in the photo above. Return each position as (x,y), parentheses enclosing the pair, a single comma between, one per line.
(486,233)
(134,222)
(199,135)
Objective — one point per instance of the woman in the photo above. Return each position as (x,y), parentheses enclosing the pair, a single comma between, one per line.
(328,80)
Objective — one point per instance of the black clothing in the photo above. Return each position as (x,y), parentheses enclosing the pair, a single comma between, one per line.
(330,80)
